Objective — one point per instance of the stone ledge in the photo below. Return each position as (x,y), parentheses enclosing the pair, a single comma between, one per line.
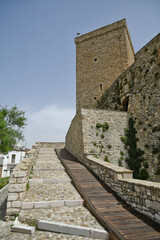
(110,166)
(49,181)
(48,204)
(23,229)
(142,183)
(72,229)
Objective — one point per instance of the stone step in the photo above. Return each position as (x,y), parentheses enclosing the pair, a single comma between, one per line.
(72,215)
(49,181)
(50,204)
(23,229)
(73,229)
(48,169)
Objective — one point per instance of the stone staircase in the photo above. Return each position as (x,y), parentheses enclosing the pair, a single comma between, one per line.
(52,203)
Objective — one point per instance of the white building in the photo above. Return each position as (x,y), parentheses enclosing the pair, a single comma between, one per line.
(9,161)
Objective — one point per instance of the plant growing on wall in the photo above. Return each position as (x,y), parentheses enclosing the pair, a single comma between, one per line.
(135,154)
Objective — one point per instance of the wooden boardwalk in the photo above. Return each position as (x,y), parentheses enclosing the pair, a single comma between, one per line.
(117,217)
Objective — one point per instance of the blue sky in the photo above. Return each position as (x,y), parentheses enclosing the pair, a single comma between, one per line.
(37,54)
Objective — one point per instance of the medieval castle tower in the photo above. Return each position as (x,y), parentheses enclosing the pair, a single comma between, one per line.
(101,56)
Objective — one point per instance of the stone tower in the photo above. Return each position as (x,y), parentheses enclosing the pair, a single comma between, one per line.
(101,56)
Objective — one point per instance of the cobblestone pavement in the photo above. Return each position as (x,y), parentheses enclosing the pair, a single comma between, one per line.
(48,166)
(6,234)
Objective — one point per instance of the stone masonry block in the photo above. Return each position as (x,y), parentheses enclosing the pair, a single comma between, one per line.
(16,204)
(21,180)
(79,231)
(58,203)
(17,187)
(53,226)
(12,196)
(73,202)
(35,181)
(11,211)
(41,204)
(23,229)
(156,205)
(19,173)
(99,234)
(27,205)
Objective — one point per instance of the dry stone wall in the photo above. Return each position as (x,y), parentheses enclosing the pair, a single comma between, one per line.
(18,183)
(138,91)
(144,196)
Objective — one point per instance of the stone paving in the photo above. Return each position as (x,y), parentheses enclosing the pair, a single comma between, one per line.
(6,234)
(48,167)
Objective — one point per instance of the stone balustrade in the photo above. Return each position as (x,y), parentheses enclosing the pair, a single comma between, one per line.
(18,183)
(144,196)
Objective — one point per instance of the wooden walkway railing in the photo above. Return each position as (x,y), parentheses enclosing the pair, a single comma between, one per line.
(117,217)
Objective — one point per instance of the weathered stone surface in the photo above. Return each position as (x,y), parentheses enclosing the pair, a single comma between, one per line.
(23,229)
(85,139)
(136,90)
(15,188)
(100,58)
(16,204)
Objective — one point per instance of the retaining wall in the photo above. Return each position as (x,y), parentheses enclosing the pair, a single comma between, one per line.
(3,200)
(84,137)
(142,195)
(18,182)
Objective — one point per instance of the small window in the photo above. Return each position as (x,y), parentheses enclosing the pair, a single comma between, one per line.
(100,86)
(13,158)
(95,98)
(95,60)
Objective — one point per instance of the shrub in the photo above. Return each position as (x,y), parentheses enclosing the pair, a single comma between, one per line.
(109,146)
(134,158)
(106,159)
(157,171)
(3,182)
(102,136)
(143,174)
(122,153)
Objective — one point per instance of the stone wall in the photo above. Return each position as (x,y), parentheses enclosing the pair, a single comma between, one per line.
(18,183)
(3,200)
(101,56)
(137,91)
(87,136)
(144,196)
(49,145)
(74,138)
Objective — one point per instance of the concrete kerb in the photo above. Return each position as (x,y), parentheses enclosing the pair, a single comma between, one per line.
(48,204)
(49,181)
(72,229)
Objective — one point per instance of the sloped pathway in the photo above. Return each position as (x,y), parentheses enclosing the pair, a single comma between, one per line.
(52,197)
(118,218)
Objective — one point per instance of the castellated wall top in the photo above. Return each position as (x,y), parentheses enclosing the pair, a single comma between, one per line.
(101,56)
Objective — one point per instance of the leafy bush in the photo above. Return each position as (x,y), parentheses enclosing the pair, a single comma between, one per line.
(3,182)
(106,159)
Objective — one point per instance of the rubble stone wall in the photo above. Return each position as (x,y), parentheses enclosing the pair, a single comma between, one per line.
(142,195)
(137,91)
(18,183)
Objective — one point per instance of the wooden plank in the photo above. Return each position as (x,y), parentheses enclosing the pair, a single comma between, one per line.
(121,221)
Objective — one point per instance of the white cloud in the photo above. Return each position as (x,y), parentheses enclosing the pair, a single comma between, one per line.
(50,124)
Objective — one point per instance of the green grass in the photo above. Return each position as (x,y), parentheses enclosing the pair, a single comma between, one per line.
(3,182)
